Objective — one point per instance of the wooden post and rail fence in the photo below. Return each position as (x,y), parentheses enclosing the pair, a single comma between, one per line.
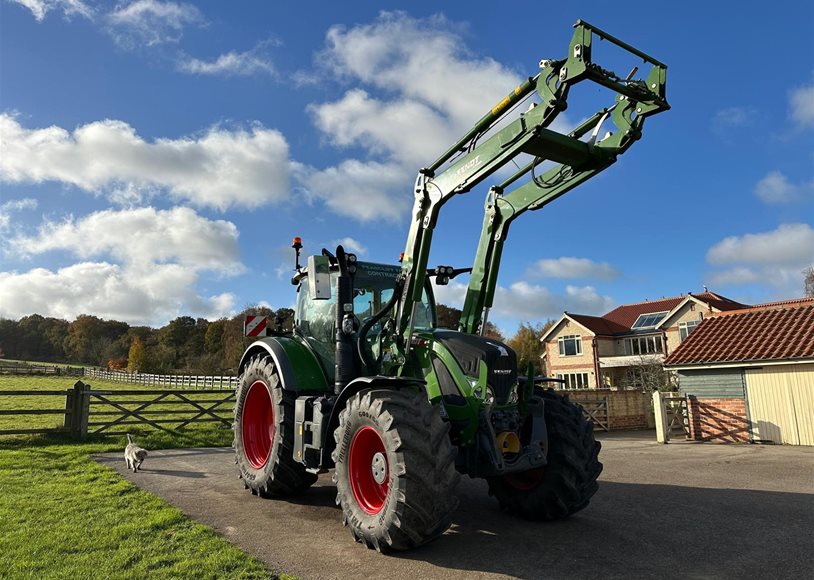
(90,411)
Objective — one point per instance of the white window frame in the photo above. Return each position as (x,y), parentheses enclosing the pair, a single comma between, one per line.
(686,328)
(577,341)
(574,381)
(650,344)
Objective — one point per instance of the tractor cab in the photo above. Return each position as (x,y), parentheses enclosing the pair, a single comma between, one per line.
(373,287)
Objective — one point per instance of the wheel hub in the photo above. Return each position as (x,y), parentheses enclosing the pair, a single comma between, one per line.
(379,467)
(368,470)
(257,424)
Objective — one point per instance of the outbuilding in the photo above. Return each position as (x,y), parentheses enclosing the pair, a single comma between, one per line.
(749,374)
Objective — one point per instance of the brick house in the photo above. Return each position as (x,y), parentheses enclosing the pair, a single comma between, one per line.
(618,349)
(749,374)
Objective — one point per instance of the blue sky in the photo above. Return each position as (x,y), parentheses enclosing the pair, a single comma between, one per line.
(156,158)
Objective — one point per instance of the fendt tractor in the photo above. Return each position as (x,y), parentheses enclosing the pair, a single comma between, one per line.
(366,384)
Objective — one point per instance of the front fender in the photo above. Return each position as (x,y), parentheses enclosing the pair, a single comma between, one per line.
(350,390)
(299,369)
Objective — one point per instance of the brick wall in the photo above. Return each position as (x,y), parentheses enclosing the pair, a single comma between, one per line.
(627,409)
(721,420)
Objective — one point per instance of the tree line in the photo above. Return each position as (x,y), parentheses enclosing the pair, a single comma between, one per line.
(185,345)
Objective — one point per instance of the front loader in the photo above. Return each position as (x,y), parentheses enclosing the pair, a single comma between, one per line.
(366,385)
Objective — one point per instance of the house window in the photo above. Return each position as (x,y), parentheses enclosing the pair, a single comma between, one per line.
(574,380)
(685,328)
(570,345)
(644,345)
(649,320)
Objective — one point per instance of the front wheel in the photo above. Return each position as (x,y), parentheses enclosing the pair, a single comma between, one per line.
(395,469)
(264,433)
(567,483)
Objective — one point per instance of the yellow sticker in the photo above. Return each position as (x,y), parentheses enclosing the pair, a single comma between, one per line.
(501,105)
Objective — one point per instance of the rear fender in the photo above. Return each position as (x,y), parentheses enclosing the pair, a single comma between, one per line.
(353,387)
(299,369)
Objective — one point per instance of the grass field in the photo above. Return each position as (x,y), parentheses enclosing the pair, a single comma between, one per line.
(66,516)
(58,383)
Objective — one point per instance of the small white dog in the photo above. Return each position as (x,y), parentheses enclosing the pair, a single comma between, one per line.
(133,455)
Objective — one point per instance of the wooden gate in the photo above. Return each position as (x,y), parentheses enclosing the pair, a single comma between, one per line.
(596,412)
(165,410)
(672,414)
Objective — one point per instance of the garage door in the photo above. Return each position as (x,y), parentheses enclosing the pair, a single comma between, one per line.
(781,403)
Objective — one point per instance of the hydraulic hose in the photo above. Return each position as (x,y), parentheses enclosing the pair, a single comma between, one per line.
(361,342)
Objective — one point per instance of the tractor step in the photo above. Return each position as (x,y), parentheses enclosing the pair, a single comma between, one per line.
(311,416)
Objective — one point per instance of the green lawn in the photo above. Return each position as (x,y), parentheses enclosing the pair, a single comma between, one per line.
(65,516)
(58,383)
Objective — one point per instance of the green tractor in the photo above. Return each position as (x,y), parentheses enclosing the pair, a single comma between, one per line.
(368,386)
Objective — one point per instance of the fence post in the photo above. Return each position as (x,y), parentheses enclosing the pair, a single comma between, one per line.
(662,432)
(84,410)
(70,410)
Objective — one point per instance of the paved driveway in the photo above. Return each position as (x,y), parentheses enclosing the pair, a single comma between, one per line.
(682,510)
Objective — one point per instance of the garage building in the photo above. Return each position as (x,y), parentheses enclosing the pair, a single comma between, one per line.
(749,374)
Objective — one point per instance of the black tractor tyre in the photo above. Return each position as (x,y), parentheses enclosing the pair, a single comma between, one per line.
(567,483)
(264,433)
(395,469)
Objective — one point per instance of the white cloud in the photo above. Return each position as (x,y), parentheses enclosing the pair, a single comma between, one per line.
(360,189)
(9,207)
(40,8)
(776,188)
(731,117)
(148,263)
(151,22)
(142,237)
(350,245)
(736,276)
(774,259)
(220,168)
(107,290)
(570,267)
(524,302)
(789,244)
(411,121)
(232,63)
(802,106)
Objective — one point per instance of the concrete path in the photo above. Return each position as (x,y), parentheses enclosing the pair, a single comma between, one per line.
(682,510)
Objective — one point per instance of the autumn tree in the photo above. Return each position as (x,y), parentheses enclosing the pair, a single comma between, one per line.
(526,343)
(137,357)
(449,316)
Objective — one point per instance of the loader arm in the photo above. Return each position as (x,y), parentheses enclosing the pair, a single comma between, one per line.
(503,207)
(468,162)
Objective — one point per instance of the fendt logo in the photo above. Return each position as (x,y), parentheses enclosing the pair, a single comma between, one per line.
(471,164)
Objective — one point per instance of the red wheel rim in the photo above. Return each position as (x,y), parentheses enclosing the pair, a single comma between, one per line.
(369,470)
(257,424)
(526,480)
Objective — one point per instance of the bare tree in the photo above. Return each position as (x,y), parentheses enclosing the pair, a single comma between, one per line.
(809,281)
(648,375)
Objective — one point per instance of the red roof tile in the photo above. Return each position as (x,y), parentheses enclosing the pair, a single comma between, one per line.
(626,314)
(754,334)
(597,325)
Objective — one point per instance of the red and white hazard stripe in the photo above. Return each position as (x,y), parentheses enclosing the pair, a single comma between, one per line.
(255,326)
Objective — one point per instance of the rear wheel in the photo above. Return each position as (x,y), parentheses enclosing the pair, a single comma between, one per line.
(395,469)
(264,433)
(567,483)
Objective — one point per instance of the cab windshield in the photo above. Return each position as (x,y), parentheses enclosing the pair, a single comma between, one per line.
(372,288)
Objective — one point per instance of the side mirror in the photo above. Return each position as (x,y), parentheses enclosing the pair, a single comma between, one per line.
(319,278)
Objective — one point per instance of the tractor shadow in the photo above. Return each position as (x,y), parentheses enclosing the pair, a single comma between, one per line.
(634,531)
